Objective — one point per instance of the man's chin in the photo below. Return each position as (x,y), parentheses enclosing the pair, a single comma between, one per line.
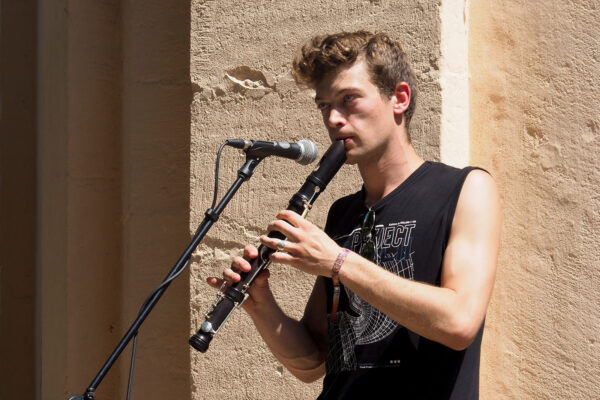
(350,159)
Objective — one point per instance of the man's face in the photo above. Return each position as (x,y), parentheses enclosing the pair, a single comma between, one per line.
(354,110)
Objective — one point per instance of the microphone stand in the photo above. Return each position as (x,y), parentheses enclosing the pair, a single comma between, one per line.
(211,216)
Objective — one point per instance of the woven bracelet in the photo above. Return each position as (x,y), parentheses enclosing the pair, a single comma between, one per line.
(337,265)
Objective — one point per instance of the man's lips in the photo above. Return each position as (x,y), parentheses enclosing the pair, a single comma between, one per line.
(346,139)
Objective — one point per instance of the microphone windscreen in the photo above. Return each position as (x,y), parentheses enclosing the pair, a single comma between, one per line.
(309,152)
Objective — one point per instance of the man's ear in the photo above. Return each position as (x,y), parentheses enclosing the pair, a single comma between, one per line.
(401,98)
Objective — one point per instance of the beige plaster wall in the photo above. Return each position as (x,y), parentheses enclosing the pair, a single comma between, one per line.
(535,98)
(241,54)
(155,118)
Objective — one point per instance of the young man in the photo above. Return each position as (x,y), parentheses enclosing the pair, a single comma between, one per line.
(405,267)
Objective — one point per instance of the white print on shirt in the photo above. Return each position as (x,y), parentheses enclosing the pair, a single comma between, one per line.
(362,323)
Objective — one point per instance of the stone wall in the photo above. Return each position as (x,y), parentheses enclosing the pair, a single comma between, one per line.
(535,79)
(95,194)
(18,251)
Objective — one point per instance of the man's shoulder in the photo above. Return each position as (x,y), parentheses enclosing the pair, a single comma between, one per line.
(479,190)
(450,175)
(442,168)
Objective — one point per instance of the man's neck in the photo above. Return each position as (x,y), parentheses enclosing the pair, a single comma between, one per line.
(382,176)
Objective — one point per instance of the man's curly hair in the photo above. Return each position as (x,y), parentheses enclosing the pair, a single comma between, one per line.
(387,63)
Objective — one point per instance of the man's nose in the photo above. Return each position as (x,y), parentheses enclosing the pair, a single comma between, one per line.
(335,118)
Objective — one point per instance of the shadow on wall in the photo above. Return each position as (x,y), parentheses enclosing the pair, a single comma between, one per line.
(95,195)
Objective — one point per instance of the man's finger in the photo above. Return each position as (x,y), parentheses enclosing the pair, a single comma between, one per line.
(241,264)
(214,282)
(289,231)
(250,252)
(292,217)
(231,276)
(283,258)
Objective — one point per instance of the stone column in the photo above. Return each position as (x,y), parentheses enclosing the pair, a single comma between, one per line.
(535,75)
(113,193)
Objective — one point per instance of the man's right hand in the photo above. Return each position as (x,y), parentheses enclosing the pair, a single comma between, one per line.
(299,345)
(259,292)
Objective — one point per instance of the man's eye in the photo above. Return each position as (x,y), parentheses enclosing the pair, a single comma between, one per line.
(322,106)
(349,97)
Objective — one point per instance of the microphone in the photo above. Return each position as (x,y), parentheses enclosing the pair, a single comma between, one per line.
(304,152)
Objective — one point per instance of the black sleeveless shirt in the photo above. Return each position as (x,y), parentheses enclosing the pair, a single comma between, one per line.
(370,354)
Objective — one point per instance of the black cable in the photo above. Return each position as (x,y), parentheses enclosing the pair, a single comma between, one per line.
(214,202)
(133,347)
(171,278)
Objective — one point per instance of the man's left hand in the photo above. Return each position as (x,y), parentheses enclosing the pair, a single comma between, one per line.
(306,247)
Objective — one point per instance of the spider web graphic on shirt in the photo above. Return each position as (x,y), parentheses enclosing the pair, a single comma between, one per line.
(362,323)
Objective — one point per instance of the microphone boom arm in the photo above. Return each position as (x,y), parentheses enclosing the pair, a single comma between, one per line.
(211,216)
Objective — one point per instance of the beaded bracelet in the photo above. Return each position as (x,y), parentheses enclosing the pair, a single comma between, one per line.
(337,265)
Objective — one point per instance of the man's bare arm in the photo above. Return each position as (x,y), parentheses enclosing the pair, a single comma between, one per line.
(450,314)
